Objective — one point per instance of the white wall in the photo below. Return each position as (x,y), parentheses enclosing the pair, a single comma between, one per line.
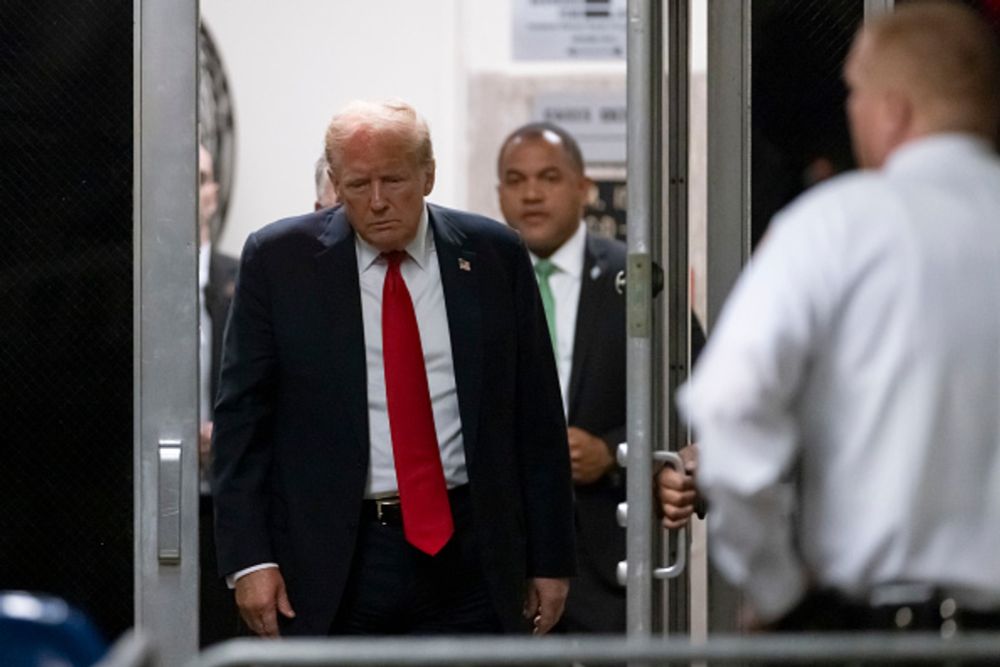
(292,64)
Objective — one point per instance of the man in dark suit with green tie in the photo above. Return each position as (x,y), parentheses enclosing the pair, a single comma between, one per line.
(543,190)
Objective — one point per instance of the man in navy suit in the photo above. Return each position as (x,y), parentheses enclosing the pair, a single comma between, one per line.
(359,337)
(542,192)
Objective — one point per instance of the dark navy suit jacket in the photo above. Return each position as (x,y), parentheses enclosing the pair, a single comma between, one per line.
(596,403)
(291,422)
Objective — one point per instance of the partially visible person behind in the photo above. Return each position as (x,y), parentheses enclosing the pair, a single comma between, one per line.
(846,403)
(543,191)
(216,279)
(326,196)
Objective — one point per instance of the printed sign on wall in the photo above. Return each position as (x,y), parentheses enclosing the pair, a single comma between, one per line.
(569,29)
(596,120)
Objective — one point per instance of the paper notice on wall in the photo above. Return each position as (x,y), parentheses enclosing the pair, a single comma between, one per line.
(596,120)
(569,29)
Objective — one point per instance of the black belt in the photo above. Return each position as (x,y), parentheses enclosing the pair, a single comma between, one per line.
(937,612)
(388,512)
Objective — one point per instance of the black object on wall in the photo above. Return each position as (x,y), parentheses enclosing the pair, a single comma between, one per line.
(66,310)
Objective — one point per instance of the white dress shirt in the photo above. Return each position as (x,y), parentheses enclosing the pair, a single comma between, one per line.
(422,275)
(204,353)
(863,345)
(564,284)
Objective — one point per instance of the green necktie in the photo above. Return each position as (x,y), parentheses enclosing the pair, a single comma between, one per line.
(543,269)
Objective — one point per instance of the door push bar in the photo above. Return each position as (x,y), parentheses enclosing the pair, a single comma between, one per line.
(673,570)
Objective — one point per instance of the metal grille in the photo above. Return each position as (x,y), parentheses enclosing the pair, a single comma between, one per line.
(66,303)
(799,129)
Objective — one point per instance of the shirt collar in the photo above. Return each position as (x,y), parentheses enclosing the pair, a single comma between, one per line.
(568,258)
(418,249)
(935,149)
(204,263)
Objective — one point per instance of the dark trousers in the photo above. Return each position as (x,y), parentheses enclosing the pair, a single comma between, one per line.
(395,589)
(219,619)
(828,611)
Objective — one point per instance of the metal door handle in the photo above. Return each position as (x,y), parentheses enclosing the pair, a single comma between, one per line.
(168,519)
(675,569)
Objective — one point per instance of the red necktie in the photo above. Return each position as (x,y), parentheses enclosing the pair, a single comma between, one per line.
(423,494)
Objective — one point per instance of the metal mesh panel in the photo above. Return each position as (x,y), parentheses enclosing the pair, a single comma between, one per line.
(66,303)
(799,128)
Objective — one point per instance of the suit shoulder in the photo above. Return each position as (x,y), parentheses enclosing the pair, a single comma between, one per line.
(612,251)
(223,262)
(474,225)
(295,230)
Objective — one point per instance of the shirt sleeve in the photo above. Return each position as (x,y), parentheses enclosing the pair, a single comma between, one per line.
(741,402)
(235,576)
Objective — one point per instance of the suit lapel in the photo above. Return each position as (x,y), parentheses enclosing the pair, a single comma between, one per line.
(460,281)
(337,272)
(588,311)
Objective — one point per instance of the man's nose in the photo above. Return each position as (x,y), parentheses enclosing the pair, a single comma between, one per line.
(378,201)
(532,192)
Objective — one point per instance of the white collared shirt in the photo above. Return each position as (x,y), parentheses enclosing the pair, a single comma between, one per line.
(565,286)
(422,275)
(204,335)
(204,353)
(863,343)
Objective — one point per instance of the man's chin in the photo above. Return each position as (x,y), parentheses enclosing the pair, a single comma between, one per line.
(387,240)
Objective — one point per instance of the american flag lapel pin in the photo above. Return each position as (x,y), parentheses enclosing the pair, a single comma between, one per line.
(464,265)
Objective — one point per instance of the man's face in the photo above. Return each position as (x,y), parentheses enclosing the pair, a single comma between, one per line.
(208,192)
(542,193)
(867,112)
(382,188)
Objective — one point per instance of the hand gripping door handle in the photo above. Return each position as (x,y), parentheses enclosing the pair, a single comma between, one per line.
(673,570)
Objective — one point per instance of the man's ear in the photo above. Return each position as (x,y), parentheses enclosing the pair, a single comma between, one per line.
(333,181)
(898,117)
(429,176)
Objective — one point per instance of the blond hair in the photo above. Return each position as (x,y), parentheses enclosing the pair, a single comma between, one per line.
(945,57)
(391,117)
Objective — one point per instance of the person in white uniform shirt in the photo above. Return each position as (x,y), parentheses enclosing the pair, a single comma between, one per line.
(847,401)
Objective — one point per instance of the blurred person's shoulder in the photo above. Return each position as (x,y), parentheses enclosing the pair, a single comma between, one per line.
(833,207)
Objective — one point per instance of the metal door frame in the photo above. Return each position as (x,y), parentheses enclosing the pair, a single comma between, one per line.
(658,328)
(166,325)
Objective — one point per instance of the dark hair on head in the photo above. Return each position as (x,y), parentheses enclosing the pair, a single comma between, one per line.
(538,131)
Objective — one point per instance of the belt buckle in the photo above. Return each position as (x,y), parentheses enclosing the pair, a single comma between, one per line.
(381,504)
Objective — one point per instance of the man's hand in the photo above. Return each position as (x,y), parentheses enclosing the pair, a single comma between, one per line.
(588,455)
(676,491)
(205,446)
(259,596)
(545,602)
